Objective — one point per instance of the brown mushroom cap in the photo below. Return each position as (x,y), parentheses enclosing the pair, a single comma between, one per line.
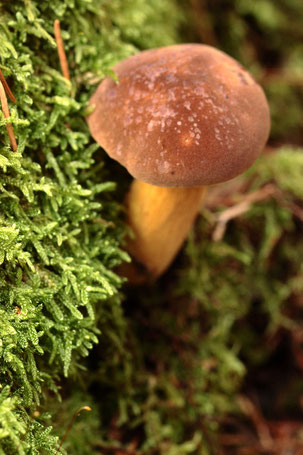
(184,115)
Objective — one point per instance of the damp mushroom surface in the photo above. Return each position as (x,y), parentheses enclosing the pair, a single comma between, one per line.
(179,118)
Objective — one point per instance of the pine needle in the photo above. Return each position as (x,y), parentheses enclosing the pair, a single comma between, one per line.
(6,113)
(7,89)
(61,51)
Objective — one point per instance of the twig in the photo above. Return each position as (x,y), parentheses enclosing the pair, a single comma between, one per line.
(6,113)
(83,408)
(7,89)
(238,209)
(295,209)
(61,51)
(261,426)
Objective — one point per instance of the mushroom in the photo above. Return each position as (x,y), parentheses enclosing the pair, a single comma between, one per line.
(179,119)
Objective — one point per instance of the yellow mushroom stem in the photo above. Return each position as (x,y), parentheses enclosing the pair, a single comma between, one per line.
(160,219)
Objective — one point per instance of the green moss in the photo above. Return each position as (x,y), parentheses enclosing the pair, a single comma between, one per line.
(60,228)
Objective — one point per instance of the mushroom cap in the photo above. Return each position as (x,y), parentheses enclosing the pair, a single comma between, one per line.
(183,115)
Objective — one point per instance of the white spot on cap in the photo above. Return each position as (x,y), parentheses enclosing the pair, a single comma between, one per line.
(171,95)
(150,125)
(164,167)
(187,105)
(119,149)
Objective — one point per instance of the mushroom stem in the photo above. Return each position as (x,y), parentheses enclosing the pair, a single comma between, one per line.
(160,218)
